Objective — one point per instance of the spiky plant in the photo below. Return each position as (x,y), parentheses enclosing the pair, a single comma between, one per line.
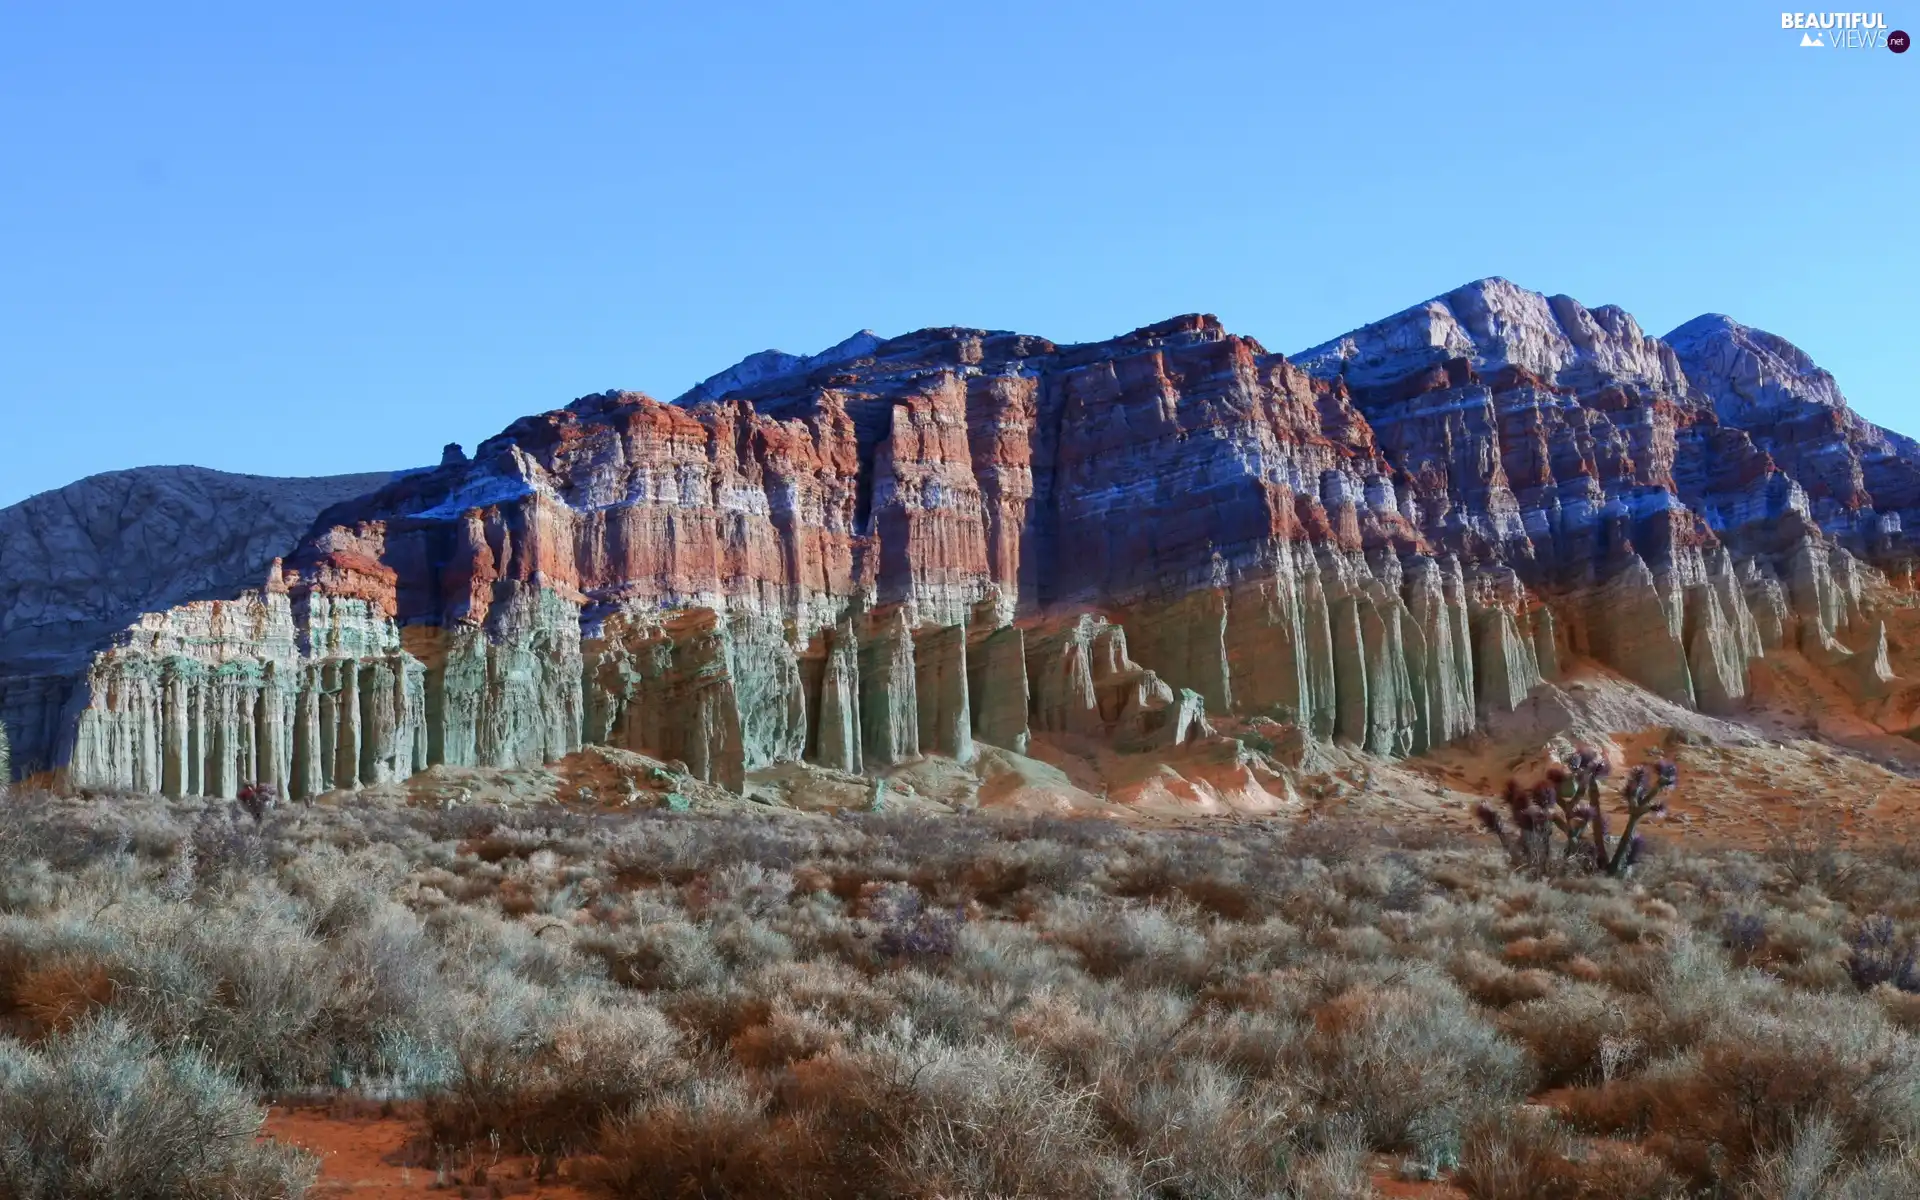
(1575,795)
(1569,801)
(1645,792)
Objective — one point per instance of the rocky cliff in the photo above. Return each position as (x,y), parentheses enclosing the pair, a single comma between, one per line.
(923,544)
(82,563)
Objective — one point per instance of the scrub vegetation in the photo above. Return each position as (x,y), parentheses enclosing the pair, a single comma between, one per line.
(768,1004)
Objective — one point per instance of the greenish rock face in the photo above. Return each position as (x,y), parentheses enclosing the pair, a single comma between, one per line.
(1507,668)
(662,684)
(767,690)
(837,741)
(1637,632)
(1394,656)
(1061,671)
(940,690)
(207,698)
(997,691)
(889,701)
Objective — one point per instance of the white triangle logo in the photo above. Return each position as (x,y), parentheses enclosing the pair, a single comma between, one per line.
(1808,39)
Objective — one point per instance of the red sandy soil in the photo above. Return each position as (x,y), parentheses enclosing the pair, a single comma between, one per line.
(1385,1173)
(373,1156)
(376,1155)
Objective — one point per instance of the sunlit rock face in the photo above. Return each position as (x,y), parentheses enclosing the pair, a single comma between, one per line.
(81,563)
(1862,482)
(960,537)
(1648,493)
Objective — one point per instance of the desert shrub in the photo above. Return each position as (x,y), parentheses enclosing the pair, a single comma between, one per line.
(1812,857)
(1336,1168)
(1143,943)
(55,995)
(1891,1176)
(667,954)
(1876,955)
(1568,1031)
(1694,990)
(1742,935)
(780,1005)
(1528,1156)
(909,930)
(1207,1130)
(1803,1167)
(28,887)
(101,1112)
(711,1141)
(269,1001)
(1244,947)
(1518,1157)
(1497,985)
(781,1037)
(1741,1097)
(542,1071)
(988,1120)
(1369,1041)
(976,1120)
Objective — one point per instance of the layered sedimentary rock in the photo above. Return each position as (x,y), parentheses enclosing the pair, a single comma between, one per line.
(1643,493)
(833,683)
(912,545)
(889,691)
(82,563)
(997,691)
(941,691)
(1085,684)
(213,695)
(1862,482)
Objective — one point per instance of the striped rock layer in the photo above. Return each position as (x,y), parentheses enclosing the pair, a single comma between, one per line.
(912,546)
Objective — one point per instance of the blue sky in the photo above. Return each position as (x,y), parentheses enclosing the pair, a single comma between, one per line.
(311,239)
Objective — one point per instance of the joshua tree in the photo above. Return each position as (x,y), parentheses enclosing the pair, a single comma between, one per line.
(1569,801)
(1576,793)
(1646,795)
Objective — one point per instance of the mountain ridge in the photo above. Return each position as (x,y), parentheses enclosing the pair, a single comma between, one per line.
(915,543)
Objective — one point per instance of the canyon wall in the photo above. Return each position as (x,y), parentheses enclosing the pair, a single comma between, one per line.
(919,545)
(82,563)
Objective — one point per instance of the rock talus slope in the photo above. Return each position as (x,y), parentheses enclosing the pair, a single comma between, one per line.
(957,538)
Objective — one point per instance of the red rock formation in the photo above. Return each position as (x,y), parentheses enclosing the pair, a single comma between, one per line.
(869,555)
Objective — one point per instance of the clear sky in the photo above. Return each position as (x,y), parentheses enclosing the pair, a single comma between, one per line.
(307,239)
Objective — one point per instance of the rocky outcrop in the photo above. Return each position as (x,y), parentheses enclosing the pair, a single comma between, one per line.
(914,545)
(213,695)
(997,693)
(1086,685)
(769,365)
(666,685)
(941,691)
(1861,482)
(832,672)
(82,563)
(889,691)
(1620,479)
